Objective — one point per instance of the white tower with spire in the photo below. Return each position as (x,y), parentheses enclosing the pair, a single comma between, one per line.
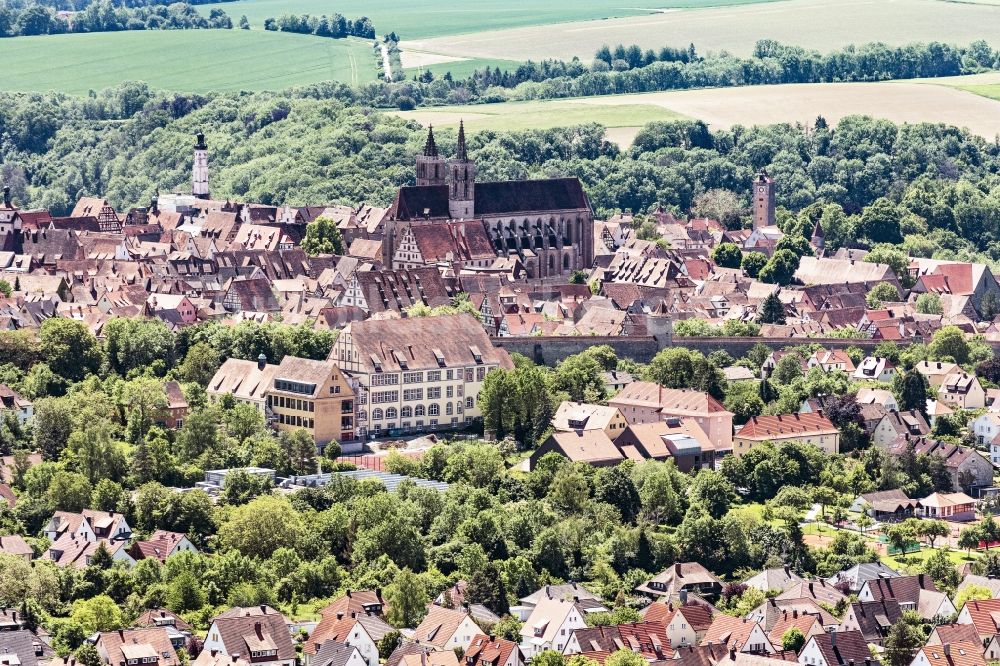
(199,172)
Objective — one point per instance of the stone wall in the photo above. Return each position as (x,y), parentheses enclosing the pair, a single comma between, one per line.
(549,350)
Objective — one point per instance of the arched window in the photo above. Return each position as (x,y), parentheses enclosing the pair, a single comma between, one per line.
(407,412)
(552,263)
(376,414)
(390,413)
(418,410)
(565,262)
(433,410)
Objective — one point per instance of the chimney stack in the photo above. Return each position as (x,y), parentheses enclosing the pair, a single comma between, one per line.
(261,363)
(947,649)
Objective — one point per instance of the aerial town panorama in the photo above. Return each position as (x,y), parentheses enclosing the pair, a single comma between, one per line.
(566,333)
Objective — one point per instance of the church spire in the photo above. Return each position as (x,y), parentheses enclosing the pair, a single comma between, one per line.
(430,149)
(463,154)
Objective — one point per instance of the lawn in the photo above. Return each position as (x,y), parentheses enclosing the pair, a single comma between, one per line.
(432,18)
(182,60)
(543,115)
(956,556)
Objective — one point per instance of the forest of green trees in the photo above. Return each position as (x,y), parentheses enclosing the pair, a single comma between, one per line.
(38,19)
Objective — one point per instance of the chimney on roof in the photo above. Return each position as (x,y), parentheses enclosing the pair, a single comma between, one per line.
(947,649)
(261,363)
(833,639)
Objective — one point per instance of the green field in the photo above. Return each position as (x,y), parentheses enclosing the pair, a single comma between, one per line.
(182,60)
(432,18)
(461,69)
(992,90)
(542,115)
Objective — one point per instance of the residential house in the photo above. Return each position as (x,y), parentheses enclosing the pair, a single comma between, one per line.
(335,653)
(807,624)
(970,579)
(836,648)
(135,647)
(177,406)
(943,634)
(417,373)
(260,634)
(578,594)
(894,424)
(15,545)
(830,360)
(962,390)
(875,368)
(739,634)
(676,438)
(485,650)
(935,372)
(593,447)
(887,505)
(77,552)
(88,525)
(647,638)
(773,610)
(948,506)
(216,658)
(648,402)
(874,396)
(431,658)
(455,597)
(162,544)
(686,624)
(361,631)
(986,428)
(967,467)
(357,602)
(950,654)
(445,628)
(20,647)
(914,593)
(984,615)
(774,578)
(583,416)
(813,429)
(550,626)
(17,403)
(689,577)
(856,576)
(177,629)
(818,590)
(873,619)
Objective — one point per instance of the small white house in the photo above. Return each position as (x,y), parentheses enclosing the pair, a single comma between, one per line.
(550,626)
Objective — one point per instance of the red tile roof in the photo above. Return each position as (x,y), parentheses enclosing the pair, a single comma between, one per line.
(786,425)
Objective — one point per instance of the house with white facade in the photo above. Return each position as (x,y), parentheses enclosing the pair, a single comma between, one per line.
(550,626)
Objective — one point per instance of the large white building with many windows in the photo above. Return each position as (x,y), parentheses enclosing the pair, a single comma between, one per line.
(417,374)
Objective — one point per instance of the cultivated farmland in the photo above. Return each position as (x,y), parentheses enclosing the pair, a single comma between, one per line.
(910,102)
(818,24)
(182,60)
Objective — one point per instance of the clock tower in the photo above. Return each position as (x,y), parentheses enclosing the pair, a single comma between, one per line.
(763,200)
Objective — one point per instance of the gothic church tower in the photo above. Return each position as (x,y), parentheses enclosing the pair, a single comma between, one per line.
(462,181)
(430,167)
(199,172)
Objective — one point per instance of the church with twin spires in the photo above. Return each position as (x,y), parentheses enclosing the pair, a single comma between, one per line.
(548,224)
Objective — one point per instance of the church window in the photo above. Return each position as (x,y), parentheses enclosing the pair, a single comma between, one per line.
(565,262)
(552,263)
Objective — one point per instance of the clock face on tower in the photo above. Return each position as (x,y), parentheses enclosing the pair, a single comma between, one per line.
(760,189)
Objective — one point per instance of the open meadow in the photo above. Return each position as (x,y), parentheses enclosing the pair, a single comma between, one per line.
(182,60)
(624,115)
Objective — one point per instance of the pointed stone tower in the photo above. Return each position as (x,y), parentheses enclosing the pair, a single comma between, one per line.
(199,172)
(462,181)
(430,166)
